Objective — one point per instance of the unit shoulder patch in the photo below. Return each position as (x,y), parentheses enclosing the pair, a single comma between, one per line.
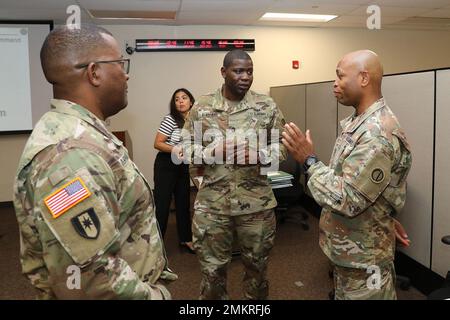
(87,224)
(377,175)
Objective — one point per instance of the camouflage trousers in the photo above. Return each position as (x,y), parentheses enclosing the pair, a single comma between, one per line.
(213,241)
(358,284)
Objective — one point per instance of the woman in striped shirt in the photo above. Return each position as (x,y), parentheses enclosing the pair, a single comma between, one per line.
(170,178)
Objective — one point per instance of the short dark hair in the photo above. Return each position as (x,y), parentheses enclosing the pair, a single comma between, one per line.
(233,55)
(173,108)
(65,46)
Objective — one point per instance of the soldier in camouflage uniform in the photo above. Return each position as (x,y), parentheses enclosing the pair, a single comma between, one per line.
(364,184)
(83,207)
(234,195)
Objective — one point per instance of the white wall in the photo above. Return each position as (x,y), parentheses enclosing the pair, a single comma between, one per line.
(154,76)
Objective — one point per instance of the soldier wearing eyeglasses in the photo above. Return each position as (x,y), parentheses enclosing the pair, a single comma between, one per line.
(85,211)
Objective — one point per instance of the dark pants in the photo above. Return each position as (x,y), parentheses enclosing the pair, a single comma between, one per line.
(169,179)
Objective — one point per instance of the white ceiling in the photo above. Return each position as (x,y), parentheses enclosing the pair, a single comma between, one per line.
(403,14)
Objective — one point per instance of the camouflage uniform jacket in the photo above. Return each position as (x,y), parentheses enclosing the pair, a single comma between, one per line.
(109,232)
(233,189)
(364,185)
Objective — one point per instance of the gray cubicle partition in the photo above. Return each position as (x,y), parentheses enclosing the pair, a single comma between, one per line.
(415,98)
(291,101)
(321,117)
(441,217)
(411,98)
(343,112)
(311,106)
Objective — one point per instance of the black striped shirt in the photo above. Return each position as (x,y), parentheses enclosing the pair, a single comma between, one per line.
(170,129)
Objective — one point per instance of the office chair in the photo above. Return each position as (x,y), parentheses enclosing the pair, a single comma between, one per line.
(444,291)
(289,197)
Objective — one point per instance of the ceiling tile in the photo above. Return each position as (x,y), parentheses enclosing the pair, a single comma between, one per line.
(294,3)
(36,14)
(391,11)
(424,23)
(216,21)
(413,27)
(413,3)
(208,15)
(26,5)
(359,21)
(240,12)
(224,5)
(438,13)
(161,5)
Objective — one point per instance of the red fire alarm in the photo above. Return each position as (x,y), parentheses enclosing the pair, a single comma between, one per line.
(295,64)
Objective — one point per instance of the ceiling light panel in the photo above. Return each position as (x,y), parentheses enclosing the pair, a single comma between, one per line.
(276,16)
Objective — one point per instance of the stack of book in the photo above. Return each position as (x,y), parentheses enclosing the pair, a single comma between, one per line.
(279,179)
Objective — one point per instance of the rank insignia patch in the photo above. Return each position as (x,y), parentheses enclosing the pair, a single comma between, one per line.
(87,224)
(66,197)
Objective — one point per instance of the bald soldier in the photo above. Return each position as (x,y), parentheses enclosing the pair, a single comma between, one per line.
(364,184)
(85,211)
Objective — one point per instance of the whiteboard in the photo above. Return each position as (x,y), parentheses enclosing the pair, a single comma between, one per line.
(15,104)
(24,90)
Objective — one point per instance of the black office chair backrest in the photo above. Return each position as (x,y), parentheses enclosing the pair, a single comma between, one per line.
(446,240)
(444,292)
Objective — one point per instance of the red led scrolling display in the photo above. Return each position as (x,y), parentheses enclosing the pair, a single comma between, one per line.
(146,45)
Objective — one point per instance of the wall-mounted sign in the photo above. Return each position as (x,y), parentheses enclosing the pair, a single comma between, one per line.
(146,45)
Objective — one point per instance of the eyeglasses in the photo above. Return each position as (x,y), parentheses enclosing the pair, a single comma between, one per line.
(125,63)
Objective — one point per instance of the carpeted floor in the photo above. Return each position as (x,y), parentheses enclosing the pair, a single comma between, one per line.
(297,267)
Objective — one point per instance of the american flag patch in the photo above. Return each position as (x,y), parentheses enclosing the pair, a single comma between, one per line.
(66,197)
